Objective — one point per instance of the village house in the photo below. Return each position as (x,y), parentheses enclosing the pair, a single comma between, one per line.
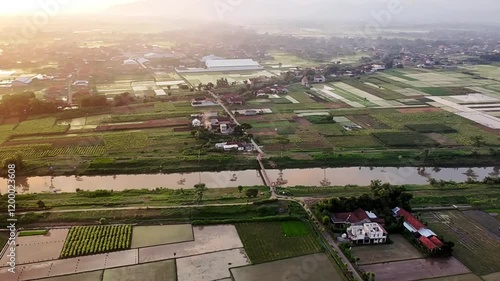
(319,79)
(232,146)
(234,99)
(367,233)
(305,82)
(356,217)
(200,102)
(426,236)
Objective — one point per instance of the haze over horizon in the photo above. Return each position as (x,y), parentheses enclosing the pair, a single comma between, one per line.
(401,11)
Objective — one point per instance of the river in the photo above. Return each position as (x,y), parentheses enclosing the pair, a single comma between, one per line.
(288,177)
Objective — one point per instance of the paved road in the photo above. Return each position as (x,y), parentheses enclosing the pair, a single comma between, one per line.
(326,236)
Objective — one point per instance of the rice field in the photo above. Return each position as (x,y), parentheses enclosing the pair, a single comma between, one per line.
(268,241)
(475,246)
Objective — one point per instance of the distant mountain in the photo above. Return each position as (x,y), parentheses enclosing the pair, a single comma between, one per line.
(420,11)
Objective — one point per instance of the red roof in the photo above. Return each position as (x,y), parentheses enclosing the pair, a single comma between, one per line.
(361,214)
(352,217)
(436,241)
(427,243)
(410,219)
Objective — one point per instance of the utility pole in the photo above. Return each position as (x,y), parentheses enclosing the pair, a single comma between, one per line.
(70,94)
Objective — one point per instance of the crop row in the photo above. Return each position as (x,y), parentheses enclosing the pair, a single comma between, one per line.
(123,142)
(44,151)
(88,240)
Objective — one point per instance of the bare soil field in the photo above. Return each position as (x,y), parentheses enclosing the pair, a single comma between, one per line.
(48,247)
(492,277)
(87,276)
(315,267)
(486,220)
(475,246)
(399,250)
(207,239)
(212,266)
(146,236)
(462,277)
(442,139)
(367,122)
(157,271)
(419,110)
(416,269)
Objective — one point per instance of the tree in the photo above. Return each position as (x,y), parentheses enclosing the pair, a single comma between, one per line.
(203,134)
(41,204)
(252,193)
(200,189)
(478,141)
(16,159)
(94,101)
(283,141)
(102,221)
(123,99)
(240,188)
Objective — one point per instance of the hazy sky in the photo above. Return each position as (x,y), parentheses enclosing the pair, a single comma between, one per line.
(30,6)
(414,11)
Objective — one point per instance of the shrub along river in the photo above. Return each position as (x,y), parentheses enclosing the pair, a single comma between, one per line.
(288,177)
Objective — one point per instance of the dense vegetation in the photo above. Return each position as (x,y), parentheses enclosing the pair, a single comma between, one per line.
(89,240)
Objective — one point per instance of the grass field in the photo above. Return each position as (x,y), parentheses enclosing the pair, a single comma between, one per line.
(265,242)
(294,228)
(287,59)
(477,249)
(145,236)
(32,232)
(399,250)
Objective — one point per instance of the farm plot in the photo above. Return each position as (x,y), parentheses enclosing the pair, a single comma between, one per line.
(48,247)
(5,132)
(207,239)
(362,94)
(361,141)
(416,269)
(399,250)
(475,246)
(318,266)
(431,128)
(145,236)
(337,93)
(125,141)
(410,92)
(211,266)
(88,240)
(40,126)
(447,91)
(486,220)
(289,60)
(462,277)
(266,242)
(404,139)
(157,271)
(87,276)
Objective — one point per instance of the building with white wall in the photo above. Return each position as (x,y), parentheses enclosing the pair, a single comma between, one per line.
(367,233)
